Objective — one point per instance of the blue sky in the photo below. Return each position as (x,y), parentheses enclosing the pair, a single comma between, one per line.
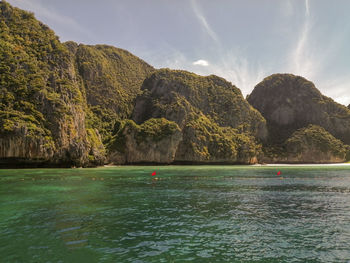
(240,40)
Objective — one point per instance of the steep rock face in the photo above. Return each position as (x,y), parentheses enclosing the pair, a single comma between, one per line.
(311,144)
(24,146)
(174,94)
(41,104)
(206,142)
(218,125)
(112,78)
(61,104)
(97,151)
(291,102)
(155,141)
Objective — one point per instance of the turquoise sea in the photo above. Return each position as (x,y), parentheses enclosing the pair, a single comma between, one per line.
(183,214)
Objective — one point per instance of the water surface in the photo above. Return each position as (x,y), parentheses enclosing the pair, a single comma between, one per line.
(184,213)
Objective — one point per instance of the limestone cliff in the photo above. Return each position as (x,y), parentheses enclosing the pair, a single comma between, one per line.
(24,146)
(69,104)
(218,125)
(311,144)
(206,142)
(42,114)
(154,141)
(174,94)
(291,102)
(58,102)
(111,79)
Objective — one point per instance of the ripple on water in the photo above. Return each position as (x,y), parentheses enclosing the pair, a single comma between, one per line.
(204,214)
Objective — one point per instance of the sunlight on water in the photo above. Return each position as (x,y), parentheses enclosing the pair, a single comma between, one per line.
(184,213)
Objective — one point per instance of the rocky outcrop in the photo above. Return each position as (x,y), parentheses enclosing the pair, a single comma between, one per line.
(97,151)
(290,102)
(174,94)
(311,144)
(22,147)
(42,108)
(70,105)
(111,78)
(217,124)
(206,142)
(155,141)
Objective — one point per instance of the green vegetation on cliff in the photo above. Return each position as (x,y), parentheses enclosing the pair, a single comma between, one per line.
(311,144)
(217,124)
(347,157)
(315,138)
(68,94)
(112,78)
(24,67)
(155,140)
(72,104)
(174,94)
(290,102)
(205,141)
(154,129)
(39,93)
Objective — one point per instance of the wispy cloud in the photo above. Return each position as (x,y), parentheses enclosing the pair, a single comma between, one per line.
(243,73)
(201,62)
(310,60)
(302,61)
(233,66)
(204,23)
(307,9)
(307,56)
(229,65)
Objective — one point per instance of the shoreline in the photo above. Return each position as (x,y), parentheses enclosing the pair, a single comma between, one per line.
(4,167)
(304,164)
(233,165)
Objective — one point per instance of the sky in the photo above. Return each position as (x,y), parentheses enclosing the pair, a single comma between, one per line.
(243,41)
